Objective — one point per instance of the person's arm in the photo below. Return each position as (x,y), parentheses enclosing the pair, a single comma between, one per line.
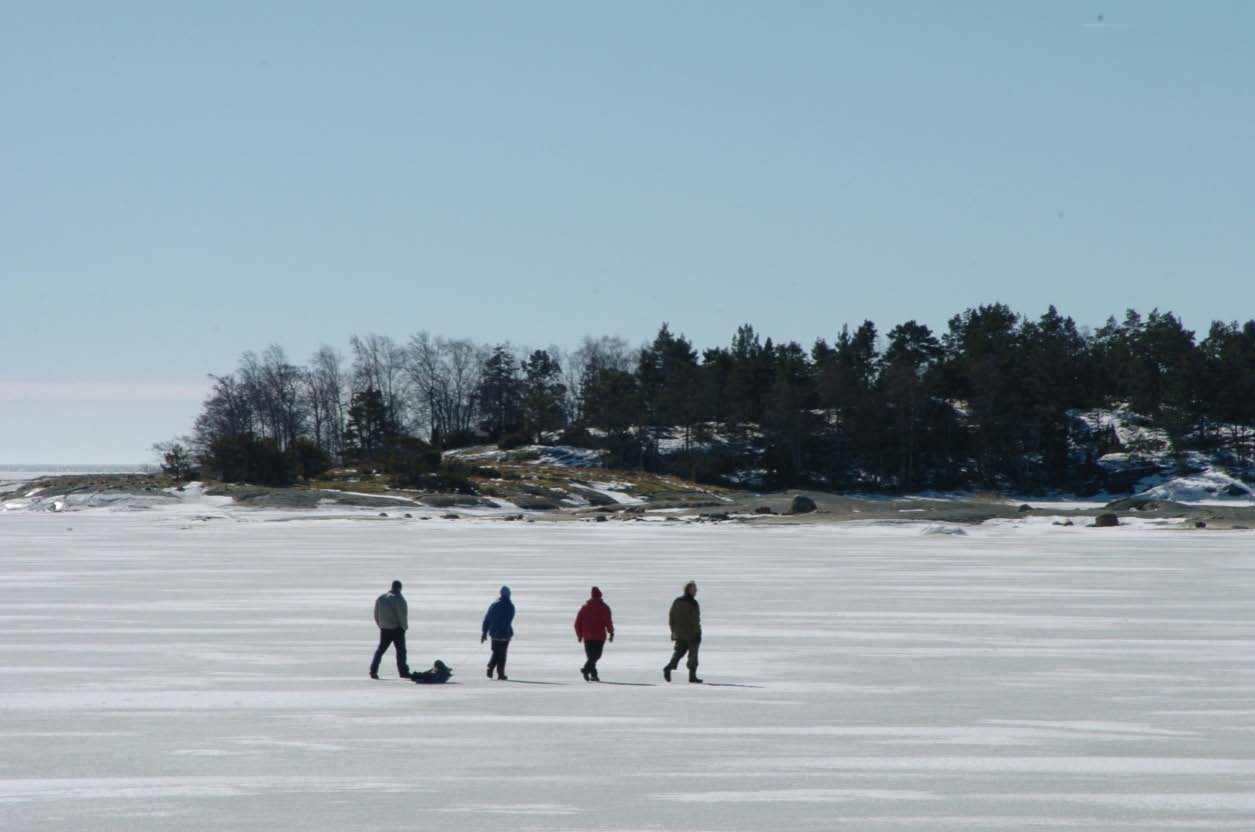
(378,623)
(483,630)
(579,619)
(609,622)
(671,620)
(403,613)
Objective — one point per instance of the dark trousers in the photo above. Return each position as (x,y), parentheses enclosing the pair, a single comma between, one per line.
(592,650)
(682,647)
(386,638)
(497,662)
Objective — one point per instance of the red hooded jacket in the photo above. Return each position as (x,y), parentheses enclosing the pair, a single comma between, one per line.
(594,621)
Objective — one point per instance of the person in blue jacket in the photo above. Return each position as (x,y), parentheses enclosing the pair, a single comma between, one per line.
(498,623)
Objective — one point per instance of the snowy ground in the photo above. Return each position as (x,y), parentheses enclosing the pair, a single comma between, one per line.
(163,672)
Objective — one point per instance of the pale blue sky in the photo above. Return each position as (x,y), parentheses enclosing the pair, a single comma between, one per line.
(179,185)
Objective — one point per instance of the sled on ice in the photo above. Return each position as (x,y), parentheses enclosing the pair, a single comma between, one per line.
(439,674)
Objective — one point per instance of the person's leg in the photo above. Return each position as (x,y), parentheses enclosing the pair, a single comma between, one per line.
(692,663)
(499,649)
(385,638)
(403,666)
(588,658)
(681,647)
(492,657)
(594,654)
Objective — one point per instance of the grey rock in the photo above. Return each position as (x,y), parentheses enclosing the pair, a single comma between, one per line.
(595,498)
(456,501)
(801,504)
(1125,478)
(533,503)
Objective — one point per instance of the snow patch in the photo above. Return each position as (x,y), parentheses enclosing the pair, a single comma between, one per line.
(1207,487)
(937,528)
(616,491)
(566,455)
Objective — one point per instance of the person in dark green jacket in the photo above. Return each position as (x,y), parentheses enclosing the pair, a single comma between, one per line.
(686,632)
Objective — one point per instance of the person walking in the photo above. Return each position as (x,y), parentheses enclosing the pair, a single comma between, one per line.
(392,615)
(592,624)
(499,624)
(686,632)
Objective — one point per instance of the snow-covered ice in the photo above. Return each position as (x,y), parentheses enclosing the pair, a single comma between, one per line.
(184,668)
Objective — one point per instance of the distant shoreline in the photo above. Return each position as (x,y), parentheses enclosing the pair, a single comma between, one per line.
(758,508)
(78,468)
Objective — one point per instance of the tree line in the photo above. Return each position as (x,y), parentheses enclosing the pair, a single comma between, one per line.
(987,402)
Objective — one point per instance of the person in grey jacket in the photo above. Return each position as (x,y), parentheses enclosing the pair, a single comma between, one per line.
(392,615)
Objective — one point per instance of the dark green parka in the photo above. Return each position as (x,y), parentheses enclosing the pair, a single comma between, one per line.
(686,619)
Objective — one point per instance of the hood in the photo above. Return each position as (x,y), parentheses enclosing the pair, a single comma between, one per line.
(596,593)
(505,593)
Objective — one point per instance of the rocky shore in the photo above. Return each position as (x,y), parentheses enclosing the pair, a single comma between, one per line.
(622,500)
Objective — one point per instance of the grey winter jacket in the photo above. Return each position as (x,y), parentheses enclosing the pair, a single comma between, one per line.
(391,612)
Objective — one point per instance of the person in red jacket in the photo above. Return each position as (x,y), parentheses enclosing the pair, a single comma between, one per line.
(592,625)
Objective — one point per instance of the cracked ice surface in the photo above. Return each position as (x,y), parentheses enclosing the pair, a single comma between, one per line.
(159,672)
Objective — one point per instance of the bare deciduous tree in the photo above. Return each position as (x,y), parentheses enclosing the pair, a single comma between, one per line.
(444,375)
(379,364)
(325,397)
(605,352)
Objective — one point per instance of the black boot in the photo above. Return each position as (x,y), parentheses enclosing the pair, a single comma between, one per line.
(490,672)
(666,673)
(594,676)
(584,673)
(693,677)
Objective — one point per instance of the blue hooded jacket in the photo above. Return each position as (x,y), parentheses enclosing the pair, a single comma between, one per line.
(499,620)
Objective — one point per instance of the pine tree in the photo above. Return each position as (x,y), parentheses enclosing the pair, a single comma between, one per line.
(910,356)
(501,394)
(369,429)
(543,395)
